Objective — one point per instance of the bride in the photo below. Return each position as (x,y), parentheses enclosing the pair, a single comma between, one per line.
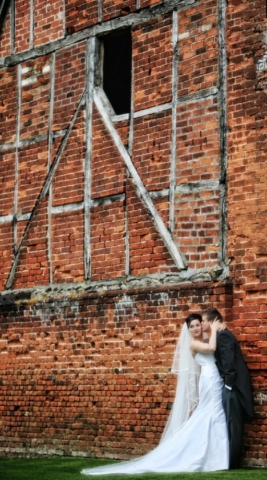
(195,437)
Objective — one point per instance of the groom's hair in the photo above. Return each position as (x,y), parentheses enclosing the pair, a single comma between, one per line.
(212,313)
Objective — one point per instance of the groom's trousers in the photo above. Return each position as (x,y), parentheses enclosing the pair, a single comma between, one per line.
(235,422)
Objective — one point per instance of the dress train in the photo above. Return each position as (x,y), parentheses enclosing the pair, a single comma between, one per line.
(199,445)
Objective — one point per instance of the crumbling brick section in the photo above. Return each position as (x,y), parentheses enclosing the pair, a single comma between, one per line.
(5,37)
(8,101)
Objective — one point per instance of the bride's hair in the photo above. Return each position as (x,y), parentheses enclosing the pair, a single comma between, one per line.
(191,317)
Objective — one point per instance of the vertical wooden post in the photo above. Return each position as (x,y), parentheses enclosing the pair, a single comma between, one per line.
(31,23)
(222,97)
(130,151)
(16,180)
(100,10)
(90,78)
(49,161)
(174,119)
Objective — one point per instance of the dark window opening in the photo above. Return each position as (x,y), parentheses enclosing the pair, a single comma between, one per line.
(117,70)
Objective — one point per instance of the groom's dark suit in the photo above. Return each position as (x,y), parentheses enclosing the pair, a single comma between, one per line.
(237,399)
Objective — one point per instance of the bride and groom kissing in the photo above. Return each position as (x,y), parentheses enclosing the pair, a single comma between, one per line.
(213,400)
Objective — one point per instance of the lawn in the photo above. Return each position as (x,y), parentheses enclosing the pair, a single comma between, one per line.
(69,469)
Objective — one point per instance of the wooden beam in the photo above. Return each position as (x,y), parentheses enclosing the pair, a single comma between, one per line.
(223,128)
(49,162)
(31,24)
(90,79)
(100,10)
(174,119)
(16,173)
(100,101)
(142,16)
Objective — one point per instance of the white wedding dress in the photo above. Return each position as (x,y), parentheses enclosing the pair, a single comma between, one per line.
(199,445)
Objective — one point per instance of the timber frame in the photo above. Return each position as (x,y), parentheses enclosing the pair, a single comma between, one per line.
(94,94)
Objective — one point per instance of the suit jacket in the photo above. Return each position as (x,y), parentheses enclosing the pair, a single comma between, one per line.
(233,369)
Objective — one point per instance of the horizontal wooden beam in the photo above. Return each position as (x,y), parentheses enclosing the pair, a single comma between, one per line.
(142,16)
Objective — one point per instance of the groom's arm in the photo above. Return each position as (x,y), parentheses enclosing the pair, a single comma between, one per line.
(226,349)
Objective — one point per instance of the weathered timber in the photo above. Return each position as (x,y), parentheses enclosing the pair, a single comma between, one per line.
(32,23)
(223,127)
(174,118)
(100,10)
(16,177)
(142,16)
(90,76)
(49,159)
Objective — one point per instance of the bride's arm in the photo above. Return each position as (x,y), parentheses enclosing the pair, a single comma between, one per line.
(200,347)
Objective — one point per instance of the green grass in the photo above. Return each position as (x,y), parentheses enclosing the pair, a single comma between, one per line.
(69,469)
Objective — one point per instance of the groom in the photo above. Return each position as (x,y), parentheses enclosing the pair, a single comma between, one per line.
(237,397)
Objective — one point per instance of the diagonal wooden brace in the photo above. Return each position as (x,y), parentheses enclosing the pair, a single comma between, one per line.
(102,104)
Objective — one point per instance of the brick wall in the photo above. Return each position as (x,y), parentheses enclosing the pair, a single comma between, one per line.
(45,124)
(89,374)
(93,284)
